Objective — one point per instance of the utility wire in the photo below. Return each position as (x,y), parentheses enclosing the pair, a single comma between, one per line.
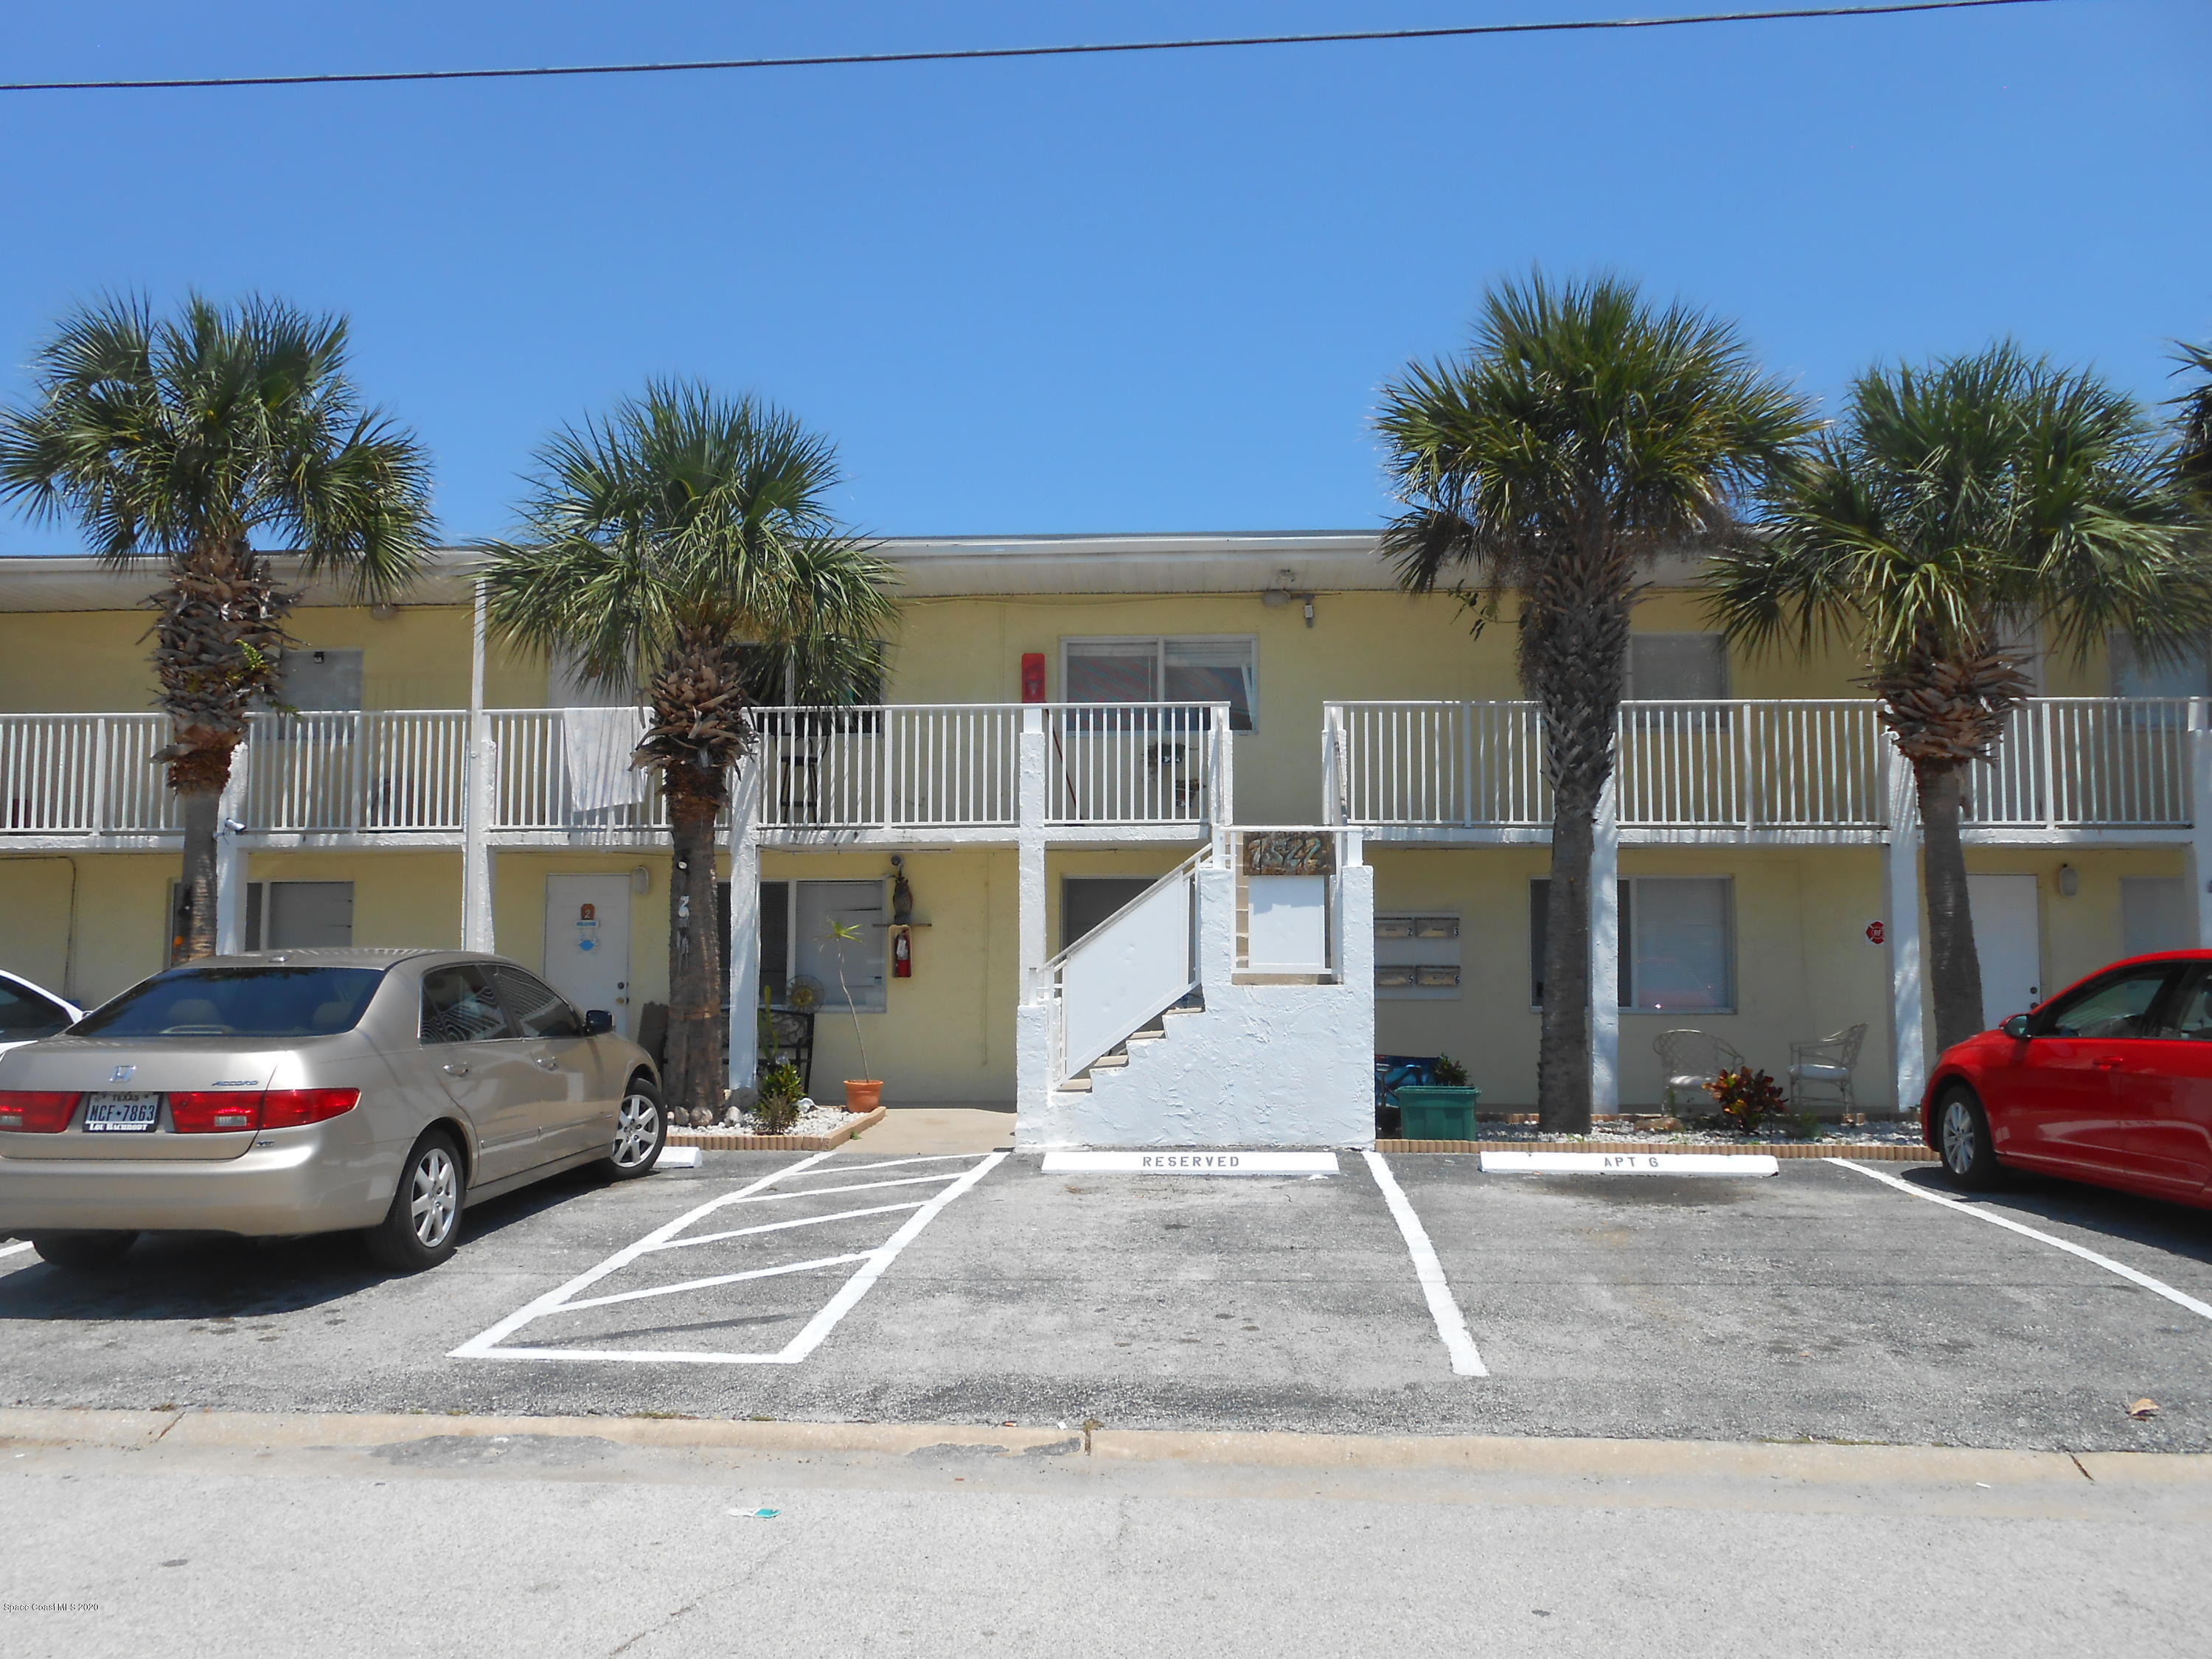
(972,54)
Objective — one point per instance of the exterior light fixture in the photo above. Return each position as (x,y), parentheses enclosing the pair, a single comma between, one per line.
(2069,880)
(641,880)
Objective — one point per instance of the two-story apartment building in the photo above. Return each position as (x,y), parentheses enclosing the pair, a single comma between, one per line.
(1070,724)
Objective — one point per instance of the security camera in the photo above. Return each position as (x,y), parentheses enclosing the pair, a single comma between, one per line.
(234,826)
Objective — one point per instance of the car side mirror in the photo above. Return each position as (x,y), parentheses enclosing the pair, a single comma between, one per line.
(598,1021)
(2016,1027)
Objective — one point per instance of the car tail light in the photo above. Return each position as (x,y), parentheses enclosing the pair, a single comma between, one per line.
(227,1111)
(213,1111)
(36,1111)
(287,1108)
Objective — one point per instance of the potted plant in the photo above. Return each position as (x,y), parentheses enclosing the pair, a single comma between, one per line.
(861,1094)
(1442,1109)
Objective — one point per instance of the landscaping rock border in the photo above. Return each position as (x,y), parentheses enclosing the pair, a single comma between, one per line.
(733,1140)
(1874,1152)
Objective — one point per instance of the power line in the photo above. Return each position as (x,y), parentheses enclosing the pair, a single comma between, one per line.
(973,54)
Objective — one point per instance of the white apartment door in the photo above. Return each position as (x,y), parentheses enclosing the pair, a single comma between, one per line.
(2009,942)
(587,943)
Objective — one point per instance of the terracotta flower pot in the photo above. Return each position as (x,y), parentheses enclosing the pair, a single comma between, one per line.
(863,1095)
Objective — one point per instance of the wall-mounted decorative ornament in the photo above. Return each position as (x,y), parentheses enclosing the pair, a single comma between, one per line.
(1288,852)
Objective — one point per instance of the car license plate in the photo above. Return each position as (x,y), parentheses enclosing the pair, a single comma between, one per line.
(121,1114)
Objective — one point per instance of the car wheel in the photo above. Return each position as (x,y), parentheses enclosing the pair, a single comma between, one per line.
(640,1131)
(424,1222)
(1962,1141)
(82,1249)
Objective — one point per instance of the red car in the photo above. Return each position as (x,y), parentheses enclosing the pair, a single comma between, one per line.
(2109,1081)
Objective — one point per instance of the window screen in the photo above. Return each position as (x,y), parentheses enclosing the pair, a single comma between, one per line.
(317,681)
(2135,675)
(302,914)
(1194,669)
(1677,954)
(1113,671)
(1688,665)
(2154,915)
(858,905)
(1681,945)
(1211,671)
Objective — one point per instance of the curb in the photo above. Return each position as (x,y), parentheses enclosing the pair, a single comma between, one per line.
(730,1140)
(1809,1461)
(1880,1152)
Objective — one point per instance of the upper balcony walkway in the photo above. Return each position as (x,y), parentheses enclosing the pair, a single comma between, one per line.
(1744,771)
(2069,769)
(901,774)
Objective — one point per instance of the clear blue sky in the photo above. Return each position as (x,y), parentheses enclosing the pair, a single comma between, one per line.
(1119,294)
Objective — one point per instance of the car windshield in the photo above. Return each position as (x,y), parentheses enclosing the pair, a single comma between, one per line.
(247,1002)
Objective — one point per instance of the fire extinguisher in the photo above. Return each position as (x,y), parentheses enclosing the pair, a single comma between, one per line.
(902,954)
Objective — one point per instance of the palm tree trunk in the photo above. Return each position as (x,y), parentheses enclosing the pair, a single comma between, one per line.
(1955,966)
(199,777)
(1562,1051)
(216,646)
(695,1081)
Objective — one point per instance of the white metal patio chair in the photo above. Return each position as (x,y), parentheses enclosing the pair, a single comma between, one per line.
(1826,1064)
(1690,1059)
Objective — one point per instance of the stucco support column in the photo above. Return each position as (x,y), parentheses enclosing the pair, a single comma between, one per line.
(230,857)
(1035,1037)
(744,924)
(1029,843)
(479,798)
(1605,956)
(2196,856)
(1900,890)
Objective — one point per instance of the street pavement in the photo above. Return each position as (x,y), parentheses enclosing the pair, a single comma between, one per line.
(420,1540)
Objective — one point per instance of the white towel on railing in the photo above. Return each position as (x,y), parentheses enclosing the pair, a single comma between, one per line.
(597,744)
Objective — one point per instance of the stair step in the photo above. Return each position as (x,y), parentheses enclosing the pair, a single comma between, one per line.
(1079,1085)
(1112,1061)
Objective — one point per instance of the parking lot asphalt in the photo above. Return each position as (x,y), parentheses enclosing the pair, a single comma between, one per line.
(1818,1304)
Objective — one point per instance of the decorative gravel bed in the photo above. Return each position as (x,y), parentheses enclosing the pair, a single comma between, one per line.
(813,1120)
(1855,1134)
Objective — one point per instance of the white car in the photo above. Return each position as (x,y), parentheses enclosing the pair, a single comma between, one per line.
(29,1011)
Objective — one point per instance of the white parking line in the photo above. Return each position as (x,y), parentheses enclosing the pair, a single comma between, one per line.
(1451,1323)
(489,1345)
(785,1226)
(2157,1286)
(15,1249)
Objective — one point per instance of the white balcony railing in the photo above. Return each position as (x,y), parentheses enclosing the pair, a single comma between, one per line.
(1751,765)
(85,774)
(380,773)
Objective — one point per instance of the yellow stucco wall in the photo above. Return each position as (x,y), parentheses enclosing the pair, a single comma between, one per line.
(1802,965)
(1378,645)
(946,1035)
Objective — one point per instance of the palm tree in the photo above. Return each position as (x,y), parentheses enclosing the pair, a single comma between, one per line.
(1583,435)
(175,442)
(2196,453)
(1953,503)
(664,548)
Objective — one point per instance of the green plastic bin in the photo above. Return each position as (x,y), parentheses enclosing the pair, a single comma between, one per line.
(1428,1111)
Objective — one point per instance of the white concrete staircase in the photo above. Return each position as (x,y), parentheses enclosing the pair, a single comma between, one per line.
(1254,1060)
